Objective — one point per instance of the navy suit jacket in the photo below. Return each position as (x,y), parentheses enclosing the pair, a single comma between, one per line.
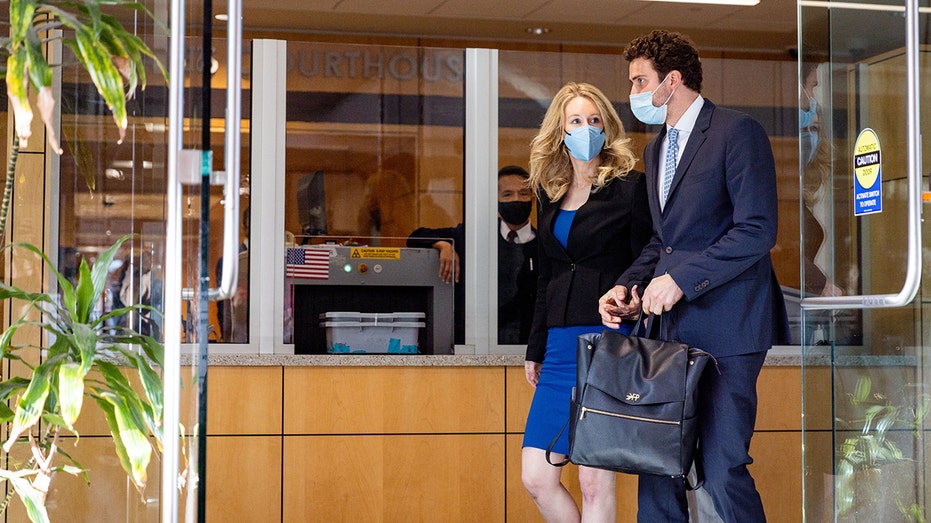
(714,237)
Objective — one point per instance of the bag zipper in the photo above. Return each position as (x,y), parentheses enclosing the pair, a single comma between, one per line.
(625,416)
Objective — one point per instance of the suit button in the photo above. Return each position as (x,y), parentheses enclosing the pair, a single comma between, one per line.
(668,250)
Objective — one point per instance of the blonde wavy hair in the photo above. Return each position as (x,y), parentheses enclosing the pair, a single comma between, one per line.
(550,167)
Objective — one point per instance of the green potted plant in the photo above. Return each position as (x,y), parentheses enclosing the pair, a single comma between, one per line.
(46,404)
(84,357)
(873,477)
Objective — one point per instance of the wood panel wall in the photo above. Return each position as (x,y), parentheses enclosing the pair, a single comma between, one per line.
(387,444)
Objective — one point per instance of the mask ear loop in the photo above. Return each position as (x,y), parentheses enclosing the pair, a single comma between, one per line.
(670,94)
(809,95)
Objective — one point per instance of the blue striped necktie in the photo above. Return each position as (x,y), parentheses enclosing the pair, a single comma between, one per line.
(672,151)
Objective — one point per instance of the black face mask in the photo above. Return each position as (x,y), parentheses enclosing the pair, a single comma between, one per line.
(515,213)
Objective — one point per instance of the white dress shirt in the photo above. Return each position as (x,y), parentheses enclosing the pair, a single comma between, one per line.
(524,234)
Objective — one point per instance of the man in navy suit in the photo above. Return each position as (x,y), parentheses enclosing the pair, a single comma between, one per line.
(711,184)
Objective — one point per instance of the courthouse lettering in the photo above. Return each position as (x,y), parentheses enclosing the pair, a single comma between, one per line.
(430,66)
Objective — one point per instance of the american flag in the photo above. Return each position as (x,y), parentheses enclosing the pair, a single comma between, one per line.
(311,264)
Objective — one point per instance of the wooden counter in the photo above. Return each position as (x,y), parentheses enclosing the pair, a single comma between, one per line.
(393,439)
(430,438)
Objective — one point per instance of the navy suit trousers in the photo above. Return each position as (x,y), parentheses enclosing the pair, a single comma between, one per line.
(727,409)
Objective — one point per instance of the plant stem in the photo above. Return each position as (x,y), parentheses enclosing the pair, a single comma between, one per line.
(8,187)
(6,500)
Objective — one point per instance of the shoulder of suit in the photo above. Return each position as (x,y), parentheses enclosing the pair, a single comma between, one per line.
(726,112)
(738,122)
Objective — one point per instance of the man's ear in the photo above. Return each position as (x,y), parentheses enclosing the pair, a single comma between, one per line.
(675,78)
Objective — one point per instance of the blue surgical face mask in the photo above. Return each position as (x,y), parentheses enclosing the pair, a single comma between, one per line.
(805,118)
(641,105)
(808,143)
(584,143)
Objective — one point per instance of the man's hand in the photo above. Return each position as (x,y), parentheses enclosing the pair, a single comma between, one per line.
(661,294)
(449,262)
(532,371)
(618,304)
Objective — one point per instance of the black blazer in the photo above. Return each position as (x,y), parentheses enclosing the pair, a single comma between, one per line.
(607,235)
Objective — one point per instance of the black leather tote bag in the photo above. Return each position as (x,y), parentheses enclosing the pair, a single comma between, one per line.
(634,405)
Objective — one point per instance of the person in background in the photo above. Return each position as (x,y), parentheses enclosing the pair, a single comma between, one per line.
(517,252)
(592,222)
(711,180)
(517,247)
(233,309)
(389,199)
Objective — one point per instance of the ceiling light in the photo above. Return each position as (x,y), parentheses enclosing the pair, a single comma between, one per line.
(538,30)
(718,2)
(223,17)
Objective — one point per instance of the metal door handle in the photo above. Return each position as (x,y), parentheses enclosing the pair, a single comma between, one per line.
(913,265)
(230,273)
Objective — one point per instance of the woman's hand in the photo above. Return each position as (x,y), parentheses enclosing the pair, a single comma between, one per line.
(532,371)
(619,304)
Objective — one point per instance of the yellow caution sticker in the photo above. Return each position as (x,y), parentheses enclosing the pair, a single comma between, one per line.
(867,169)
(375,253)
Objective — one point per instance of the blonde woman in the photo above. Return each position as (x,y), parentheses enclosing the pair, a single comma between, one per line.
(592,222)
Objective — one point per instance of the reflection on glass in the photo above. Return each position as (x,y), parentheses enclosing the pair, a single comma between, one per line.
(109,189)
(228,319)
(104,189)
(233,313)
(374,151)
(865,398)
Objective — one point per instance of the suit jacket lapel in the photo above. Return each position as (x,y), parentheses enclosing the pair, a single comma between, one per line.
(651,162)
(696,138)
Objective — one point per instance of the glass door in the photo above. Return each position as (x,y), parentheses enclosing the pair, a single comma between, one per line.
(204,173)
(864,338)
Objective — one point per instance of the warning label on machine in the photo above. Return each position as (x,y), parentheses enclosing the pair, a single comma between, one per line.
(375,253)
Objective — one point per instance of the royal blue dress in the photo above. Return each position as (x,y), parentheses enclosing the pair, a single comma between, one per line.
(549,410)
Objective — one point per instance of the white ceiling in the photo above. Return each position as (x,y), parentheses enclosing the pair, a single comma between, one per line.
(768,27)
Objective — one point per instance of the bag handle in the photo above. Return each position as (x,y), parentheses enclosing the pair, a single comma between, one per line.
(649,328)
(549,448)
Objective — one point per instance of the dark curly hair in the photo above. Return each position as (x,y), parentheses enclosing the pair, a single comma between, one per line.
(668,51)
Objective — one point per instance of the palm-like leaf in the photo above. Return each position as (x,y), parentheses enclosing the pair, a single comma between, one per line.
(32,499)
(54,393)
(104,48)
(99,42)
(861,458)
(30,405)
(70,392)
